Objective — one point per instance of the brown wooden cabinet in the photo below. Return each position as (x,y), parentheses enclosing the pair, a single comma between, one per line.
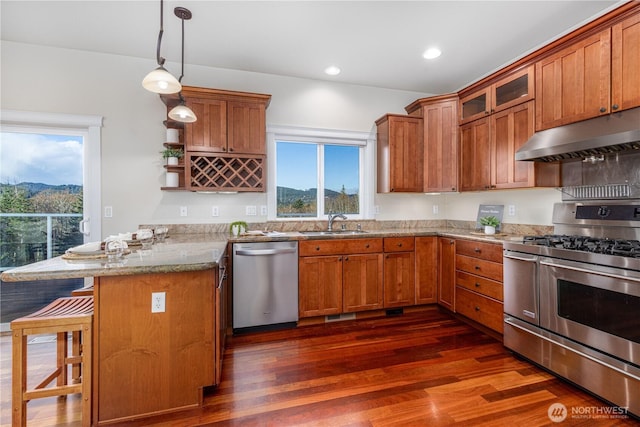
(510,90)
(475,155)
(440,119)
(426,270)
(400,153)
(336,276)
(594,76)
(478,281)
(487,154)
(225,149)
(399,272)
(447,272)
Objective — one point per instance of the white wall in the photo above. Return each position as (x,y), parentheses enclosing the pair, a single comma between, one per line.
(38,78)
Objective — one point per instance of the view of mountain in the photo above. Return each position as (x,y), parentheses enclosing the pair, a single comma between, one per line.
(34,188)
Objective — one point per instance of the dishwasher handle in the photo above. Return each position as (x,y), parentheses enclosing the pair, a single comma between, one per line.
(263,252)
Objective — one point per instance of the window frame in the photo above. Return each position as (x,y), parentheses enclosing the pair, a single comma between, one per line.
(296,134)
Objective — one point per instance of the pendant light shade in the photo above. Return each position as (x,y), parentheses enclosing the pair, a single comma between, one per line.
(161,81)
(182,113)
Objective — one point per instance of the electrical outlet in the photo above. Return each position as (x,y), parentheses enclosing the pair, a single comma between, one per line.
(263,210)
(158,302)
(183,211)
(512,210)
(436,209)
(108,211)
(251,210)
(376,209)
(215,211)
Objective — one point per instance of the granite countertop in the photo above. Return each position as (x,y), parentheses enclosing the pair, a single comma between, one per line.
(201,251)
(188,252)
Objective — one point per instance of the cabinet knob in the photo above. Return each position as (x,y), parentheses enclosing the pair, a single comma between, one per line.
(451,242)
(366,246)
(224,149)
(477,285)
(477,250)
(477,267)
(399,245)
(603,110)
(317,248)
(230,149)
(477,308)
(346,258)
(487,113)
(615,106)
(453,188)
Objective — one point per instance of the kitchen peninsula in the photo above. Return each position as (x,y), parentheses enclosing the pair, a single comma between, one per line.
(147,363)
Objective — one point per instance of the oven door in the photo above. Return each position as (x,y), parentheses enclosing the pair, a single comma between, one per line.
(521,285)
(591,304)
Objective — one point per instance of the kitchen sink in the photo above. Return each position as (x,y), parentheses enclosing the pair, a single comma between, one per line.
(333,232)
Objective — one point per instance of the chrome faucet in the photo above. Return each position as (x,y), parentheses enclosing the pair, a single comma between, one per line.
(332,217)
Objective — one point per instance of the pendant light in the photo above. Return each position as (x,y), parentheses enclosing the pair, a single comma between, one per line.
(182,113)
(160,80)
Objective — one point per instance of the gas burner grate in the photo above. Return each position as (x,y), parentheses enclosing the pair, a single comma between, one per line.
(620,247)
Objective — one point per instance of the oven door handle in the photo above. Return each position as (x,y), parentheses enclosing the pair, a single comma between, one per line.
(558,263)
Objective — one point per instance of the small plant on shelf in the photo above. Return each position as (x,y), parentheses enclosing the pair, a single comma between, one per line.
(172,152)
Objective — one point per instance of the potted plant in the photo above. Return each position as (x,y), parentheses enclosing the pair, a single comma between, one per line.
(490,223)
(172,155)
(238,227)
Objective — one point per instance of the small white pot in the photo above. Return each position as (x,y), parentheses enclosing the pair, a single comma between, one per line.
(173,135)
(489,229)
(172,179)
(172,161)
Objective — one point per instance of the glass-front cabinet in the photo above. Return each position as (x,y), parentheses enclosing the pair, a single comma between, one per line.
(514,89)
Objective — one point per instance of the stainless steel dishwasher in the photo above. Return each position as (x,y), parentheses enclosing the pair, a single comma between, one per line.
(265,285)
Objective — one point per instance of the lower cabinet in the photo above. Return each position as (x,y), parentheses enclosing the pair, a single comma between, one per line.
(426,270)
(399,272)
(479,290)
(339,276)
(447,272)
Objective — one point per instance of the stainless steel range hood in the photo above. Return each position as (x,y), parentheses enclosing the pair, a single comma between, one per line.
(613,133)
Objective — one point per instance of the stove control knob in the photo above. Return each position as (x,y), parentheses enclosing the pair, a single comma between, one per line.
(604,211)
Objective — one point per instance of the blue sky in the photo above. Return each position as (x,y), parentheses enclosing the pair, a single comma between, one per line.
(45,158)
(297,166)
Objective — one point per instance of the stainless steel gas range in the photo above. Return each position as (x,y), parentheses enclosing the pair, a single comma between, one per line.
(572,299)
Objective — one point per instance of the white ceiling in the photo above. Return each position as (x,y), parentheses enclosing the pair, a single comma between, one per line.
(375,43)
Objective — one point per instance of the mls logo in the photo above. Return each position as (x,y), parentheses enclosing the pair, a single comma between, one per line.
(557,412)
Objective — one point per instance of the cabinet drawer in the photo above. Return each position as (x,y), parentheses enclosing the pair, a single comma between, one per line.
(399,244)
(339,246)
(479,267)
(476,307)
(480,285)
(486,251)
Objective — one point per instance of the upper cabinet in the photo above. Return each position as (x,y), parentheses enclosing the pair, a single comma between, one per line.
(400,153)
(225,149)
(594,76)
(440,139)
(228,122)
(514,89)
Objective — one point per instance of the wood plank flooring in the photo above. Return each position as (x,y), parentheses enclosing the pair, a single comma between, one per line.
(420,369)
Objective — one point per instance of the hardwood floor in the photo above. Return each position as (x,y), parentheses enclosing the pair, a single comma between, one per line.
(419,369)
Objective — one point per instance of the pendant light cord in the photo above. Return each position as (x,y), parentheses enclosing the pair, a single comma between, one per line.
(159,58)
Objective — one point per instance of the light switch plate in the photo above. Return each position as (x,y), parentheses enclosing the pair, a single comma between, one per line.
(215,211)
(183,211)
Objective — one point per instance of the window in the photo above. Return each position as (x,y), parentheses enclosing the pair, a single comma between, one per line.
(316,172)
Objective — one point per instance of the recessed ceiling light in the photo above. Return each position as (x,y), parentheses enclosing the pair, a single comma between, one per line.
(332,70)
(431,53)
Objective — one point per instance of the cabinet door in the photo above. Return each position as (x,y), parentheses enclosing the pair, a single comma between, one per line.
(510,129)
(575,83)
(246,127)
(319,286)
(625,60)
(400,154)
(399,279)
(446,272)
(426,270)
(362,282)
(209,132)
(475,105)
(475,155)
(441,146)
(513,89)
